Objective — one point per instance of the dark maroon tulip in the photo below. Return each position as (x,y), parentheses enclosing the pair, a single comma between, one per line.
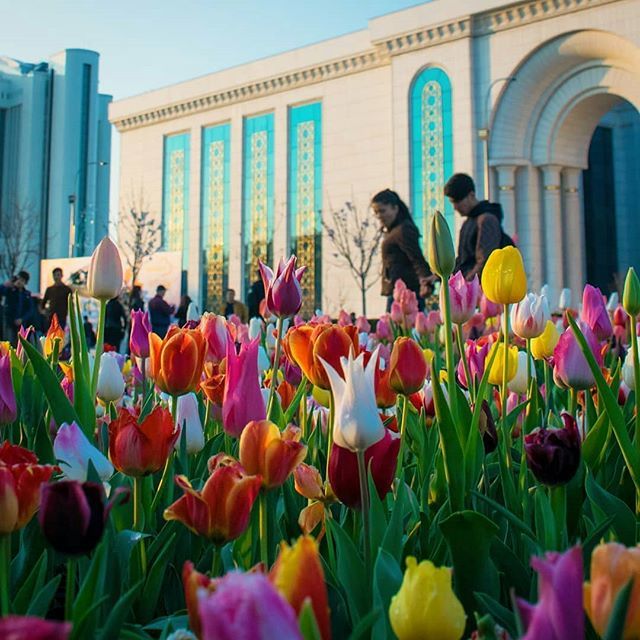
(553,455)
(487,428)
(381,457)
(32,628)
(72,515)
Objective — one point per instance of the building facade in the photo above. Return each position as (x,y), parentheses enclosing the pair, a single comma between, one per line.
(55,142)
(537,99)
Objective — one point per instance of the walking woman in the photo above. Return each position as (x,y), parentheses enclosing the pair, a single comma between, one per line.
(401,254)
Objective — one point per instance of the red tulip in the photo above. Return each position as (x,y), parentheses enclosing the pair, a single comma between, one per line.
(408,367)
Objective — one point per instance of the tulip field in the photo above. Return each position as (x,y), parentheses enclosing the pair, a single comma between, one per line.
(471,471)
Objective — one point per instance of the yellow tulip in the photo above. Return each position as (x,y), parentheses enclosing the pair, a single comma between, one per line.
(542,347)
(495,373)
(612,566)
(426,606)
(429,355)
(503,278)
(321,396)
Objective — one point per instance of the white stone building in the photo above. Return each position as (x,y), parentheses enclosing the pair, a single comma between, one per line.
(241,163)
(55,145)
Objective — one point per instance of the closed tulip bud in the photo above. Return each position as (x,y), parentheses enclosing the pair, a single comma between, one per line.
(631,293)
(503,278)
(270,453)
(518,384)
(308,482)
(255,328)
(298,575)
(74,452)
(476,356)
(193,313)
(385,395)
(529,317)
(463,297)
(8,407)
(357,424)
(564,302)
(383,328)
(104,280)
(246,605)
(283,292)
(628,372)
(594,313)
(553,455)
(221,510)
(32,628)
(407,367)
(55,334)
(612,566)
(140,330)
(487,427)
(543,346)
(215,330)
(426,606)
(110,381)
(570,367)
(440,250)
(188,420)
(488,308)
(380,458)
(613,302)
(495,373)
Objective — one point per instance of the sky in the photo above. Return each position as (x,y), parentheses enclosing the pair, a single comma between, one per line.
(147,44)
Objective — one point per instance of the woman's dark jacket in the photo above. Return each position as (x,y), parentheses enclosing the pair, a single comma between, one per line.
(402,257)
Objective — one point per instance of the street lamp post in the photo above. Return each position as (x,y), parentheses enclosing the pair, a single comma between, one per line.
(485,132)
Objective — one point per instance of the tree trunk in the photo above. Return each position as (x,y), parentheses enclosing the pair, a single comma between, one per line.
(363,291)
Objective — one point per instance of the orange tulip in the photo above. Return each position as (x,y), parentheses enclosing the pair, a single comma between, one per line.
(306,344)
(266,451)
(221,511)
(308,483)
(176,361)
(612,566)
(213,383)
(298,576)
(193,581)
(56,332)
(407,367)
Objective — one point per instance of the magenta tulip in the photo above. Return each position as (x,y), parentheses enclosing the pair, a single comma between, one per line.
(282,289)
(32,628)
(463,297)
(216,332)
(242,401)
(559,614)
(570,367)
(8,408)
(476,356)
(246,606)
(594,313)
(140,330)
(489,309)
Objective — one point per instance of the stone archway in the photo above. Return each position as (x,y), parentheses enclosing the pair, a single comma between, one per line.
(541,131)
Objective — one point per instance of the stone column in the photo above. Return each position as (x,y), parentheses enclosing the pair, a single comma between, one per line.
(553,231)
(574,246)
(193,218)
(507,196)
(236,270)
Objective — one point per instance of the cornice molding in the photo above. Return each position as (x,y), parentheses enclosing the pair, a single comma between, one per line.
(512,16)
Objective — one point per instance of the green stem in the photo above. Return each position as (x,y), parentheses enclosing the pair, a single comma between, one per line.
(70,588)
(5,563)
(547,386)
(529,370)
(505,369)
(138,524)
(216,561)
(99,347)
(636,373)
(558,500)
(276,366)
(403,437)
(448,344)
(143,371)
(465,363)
(364,503)
(303,411)
(264,530)
(330,433)
(162,483)
(573,401)
(207,413)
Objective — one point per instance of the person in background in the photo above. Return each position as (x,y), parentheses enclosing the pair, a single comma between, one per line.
(89,333)
(481,232)
(115,321)
(255,297)
(136,303)
(160,312)
(402,257)
(19,309)
(232,306)
(56,299)
(181,312)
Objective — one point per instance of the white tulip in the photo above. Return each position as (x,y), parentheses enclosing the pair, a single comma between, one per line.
(264,363)
(565,299)
(518,384)
(255,328)
(193,313)
(545,291)
(529,317)
(613,302)
(110,380)
(628,374)
(104,280)
(74,451)
(188,418)
(357,423)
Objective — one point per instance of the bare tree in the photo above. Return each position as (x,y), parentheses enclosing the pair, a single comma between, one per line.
(17,245)
(141,235)
(356,239)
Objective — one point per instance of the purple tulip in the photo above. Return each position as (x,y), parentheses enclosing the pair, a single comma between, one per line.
(463,297)
(246,606)
(242,400)
(283,290)
(8,408)
(594,313)
(140,330)
(553,455)
(32,628)
(570,367)
(558,615)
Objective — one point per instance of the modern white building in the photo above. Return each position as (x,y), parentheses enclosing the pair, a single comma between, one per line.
(245,162)
(55,143)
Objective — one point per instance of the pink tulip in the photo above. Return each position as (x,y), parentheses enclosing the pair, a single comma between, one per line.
(383,328)
(570,367)
(32,628)
(595,314)
(398,290)
(242,400)
(421,325)
(8,408)
(26,334)
(362,324)
(476,356)
(140,330)
(463,296)
(216,332)
(246,606)
(396,314)
(344,319)
(283,290)
(529,316)
(489,309)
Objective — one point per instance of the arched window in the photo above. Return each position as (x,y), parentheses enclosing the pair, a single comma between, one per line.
(431,144)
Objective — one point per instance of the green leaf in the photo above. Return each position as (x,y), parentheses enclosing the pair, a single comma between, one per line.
(362,628)
(500,614)
(295,403)
(512,518)
(307,622)
(90,589)
(605,504)
(615,626)
(545,521)
(153,586)
(392,542)
(594,445)
(33,584)
(118,614)
(387,578)
(41,602)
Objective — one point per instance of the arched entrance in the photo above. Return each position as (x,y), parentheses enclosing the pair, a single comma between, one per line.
(541,136)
